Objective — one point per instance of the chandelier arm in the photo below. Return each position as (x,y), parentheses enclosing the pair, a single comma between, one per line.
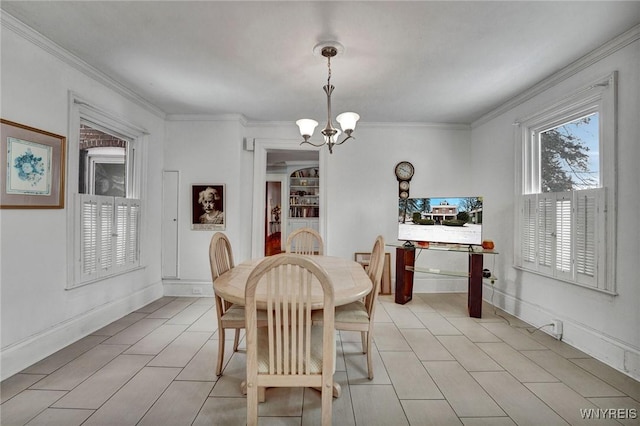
(311,143)
(344,140)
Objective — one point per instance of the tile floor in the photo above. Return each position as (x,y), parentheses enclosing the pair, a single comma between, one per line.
(433,366)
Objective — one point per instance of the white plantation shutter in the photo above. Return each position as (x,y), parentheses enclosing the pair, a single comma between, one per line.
(127,230)
(109,235)
(546,231)
(589,208)
(528,233)
(106,232)
(563,235)
(88,238)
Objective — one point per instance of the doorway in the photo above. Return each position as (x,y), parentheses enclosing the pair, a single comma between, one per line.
(274,202)
(279,157)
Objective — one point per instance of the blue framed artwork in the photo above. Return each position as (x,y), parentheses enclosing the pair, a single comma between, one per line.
(32,167)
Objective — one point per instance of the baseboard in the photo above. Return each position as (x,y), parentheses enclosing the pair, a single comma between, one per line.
(20,355)
(187,288)
(600,346)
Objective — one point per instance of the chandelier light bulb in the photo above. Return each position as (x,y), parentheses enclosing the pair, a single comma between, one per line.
(348,121)
(307,127)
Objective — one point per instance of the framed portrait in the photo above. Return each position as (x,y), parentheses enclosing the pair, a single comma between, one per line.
(32,165)
(207,207)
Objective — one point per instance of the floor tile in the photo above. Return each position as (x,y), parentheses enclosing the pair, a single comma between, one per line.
(521,367)
(613,377)
(119,325)
(430,413)
(180,351)
(154,306)
(567,403)
(437,324)
(154,342)
(57,417)
(135,332)
(426,346)
(178,405)
(630,408)
(170,310)
(16,384)
(513,337)
(474,331)
(97,389)
(342,409)
(207,322)
(409,377)
(463,393)
(402,317)
(377,405)
(516,400)
(51,363)
(189,315)
(583,382)
(78,370)
(223,412)
(203,365)
(133,400)
(388,337)
(356,365)
(27,405)
(468,354)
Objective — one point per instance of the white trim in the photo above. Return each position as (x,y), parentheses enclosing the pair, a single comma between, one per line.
(29,34)
(187,288)
(262,146)
(604,347)
(20,355)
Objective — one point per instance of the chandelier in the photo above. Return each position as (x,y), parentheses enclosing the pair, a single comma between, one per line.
(347,120)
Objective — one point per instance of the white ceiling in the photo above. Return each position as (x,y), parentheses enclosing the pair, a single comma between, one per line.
(420,61)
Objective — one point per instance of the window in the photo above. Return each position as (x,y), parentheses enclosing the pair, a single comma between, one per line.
(105,221)
(565,226)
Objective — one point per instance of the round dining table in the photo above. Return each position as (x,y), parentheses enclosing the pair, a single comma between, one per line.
(350,281)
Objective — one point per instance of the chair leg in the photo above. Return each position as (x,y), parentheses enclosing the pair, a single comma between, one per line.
(236,340)
(369,358)
(363,336)
(220,351)
(252,405)
(327,399)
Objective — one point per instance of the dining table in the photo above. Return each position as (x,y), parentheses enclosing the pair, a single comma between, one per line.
(350,283)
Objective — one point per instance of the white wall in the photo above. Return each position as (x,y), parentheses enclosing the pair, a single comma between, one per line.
(606,327)
(362,191)
(203,151)
(38,315)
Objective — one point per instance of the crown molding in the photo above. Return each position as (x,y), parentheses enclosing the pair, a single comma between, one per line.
(29,34)
(570,70)
(443,126)
(207,117)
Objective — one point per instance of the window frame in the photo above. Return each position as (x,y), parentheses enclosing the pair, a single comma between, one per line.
(84,112)
(599,96)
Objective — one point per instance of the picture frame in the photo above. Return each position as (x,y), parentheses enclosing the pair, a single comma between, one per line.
(32,167)
(364,259)
(207,207)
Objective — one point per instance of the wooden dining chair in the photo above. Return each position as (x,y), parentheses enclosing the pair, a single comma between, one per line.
(229,315)
(305,241)
(358,316)
(290,351)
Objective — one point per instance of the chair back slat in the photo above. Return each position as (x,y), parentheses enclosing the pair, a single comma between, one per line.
(305,241)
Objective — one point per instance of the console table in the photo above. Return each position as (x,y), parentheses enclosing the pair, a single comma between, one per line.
(405,269)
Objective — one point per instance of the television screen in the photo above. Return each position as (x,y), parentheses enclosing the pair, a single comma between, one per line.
(453,220)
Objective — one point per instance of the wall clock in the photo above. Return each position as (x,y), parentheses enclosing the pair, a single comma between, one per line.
(404,170)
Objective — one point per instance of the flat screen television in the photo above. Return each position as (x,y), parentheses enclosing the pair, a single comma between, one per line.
(451,220)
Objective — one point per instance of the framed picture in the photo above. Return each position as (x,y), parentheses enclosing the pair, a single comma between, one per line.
(32,167)
(207,207)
